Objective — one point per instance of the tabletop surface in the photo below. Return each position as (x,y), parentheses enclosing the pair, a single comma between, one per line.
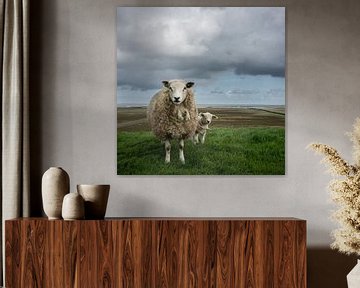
(173,219)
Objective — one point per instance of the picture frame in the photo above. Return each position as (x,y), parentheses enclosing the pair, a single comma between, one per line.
(235,59)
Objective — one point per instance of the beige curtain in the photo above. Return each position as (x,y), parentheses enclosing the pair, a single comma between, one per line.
(14,37)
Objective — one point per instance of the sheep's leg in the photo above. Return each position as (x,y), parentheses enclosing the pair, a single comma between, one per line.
(181,151)
(196,138)
(167,151)
(202,137)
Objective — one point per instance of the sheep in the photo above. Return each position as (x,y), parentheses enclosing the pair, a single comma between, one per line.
(204,120)
(172,114)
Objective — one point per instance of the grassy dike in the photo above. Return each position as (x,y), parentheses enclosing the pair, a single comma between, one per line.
(227,151)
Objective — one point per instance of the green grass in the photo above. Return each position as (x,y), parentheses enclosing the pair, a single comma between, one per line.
(227,151)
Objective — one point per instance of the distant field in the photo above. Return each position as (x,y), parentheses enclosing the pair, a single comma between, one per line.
(134,118)
(227,151)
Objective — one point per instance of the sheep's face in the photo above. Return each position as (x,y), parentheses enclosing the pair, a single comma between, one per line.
(177,90)
(206,118)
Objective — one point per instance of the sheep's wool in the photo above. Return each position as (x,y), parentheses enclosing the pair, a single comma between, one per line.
(163,116)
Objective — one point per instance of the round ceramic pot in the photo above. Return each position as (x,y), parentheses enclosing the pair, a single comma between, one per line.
(96,198)
(55,185)
(73,207)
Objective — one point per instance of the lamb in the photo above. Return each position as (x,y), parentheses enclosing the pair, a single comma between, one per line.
(172,114)
(204,120)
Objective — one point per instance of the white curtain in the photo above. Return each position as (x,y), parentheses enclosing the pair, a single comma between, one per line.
(14,37)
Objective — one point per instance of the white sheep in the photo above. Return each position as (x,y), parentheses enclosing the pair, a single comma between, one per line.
(172,114)
(204,120)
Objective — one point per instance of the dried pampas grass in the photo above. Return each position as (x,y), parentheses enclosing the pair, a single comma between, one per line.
(345,191)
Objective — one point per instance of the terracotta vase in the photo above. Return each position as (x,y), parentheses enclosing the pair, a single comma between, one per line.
(55,185)
(73,207)
(353,278)
(96,198)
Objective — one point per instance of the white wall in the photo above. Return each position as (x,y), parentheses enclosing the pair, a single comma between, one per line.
(76,74)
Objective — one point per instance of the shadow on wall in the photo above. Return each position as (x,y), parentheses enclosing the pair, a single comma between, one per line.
(35,64)
(328,268)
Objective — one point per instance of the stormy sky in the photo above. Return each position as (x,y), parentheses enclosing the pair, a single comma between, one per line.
(234,55)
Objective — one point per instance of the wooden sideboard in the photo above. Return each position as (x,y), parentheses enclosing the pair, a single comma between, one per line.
(156,252)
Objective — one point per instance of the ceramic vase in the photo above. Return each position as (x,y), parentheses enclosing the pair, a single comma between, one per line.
(353,278)
(55,185)
(96,198)
(73,207)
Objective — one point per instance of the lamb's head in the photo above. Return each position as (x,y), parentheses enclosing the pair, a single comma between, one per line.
(205,118)
(178,90)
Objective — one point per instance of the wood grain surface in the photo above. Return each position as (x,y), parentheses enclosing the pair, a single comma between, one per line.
(159,252)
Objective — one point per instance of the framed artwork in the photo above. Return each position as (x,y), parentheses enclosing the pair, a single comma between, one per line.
(200,90)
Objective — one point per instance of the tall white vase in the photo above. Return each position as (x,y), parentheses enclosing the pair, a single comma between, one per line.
(55,185)
(353,278)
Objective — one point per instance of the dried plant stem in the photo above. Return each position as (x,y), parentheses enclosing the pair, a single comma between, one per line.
(355,138)
(336,163)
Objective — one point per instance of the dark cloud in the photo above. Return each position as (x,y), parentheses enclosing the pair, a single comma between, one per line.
(156,44)
(249,68)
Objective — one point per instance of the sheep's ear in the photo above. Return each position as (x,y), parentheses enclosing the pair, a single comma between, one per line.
(189,84)
(201,114)
(166,84)
(214,116)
